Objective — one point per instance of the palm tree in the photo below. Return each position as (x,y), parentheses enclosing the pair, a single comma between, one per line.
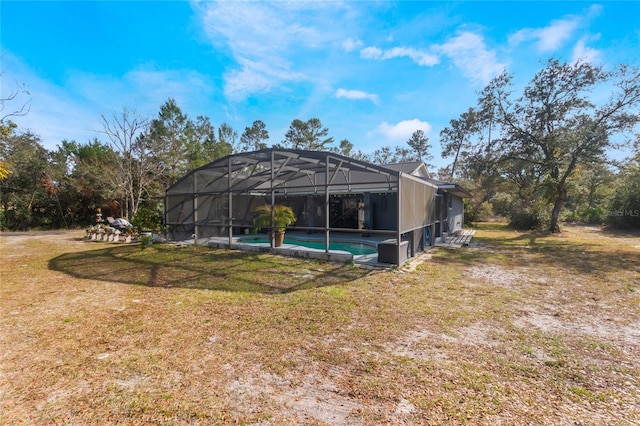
(283,216)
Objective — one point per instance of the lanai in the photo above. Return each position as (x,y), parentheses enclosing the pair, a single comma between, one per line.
(329,193)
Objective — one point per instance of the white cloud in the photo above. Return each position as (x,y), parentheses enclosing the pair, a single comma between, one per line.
(549,38)
(71,110)
(54,115)
(357,94)
(143,89)
(553,36)
(418,56)
(557,33)
(265,40)
(581,52)
(469,53)
(371,52)
(402,130)
(256,77)
(349,45)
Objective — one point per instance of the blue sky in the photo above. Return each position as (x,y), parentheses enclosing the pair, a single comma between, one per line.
(372,72)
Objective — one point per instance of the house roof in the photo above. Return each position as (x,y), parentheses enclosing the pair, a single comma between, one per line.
(452,188)
(415,168)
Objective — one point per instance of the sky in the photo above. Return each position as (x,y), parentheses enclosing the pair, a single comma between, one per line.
(373,72)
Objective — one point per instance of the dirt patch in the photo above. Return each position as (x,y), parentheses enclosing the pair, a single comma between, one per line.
(604,329)
(312,398)
(429,345)
(510,278)
(416,261)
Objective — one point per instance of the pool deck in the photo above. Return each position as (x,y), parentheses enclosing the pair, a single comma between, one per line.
(301,251)
(455,241)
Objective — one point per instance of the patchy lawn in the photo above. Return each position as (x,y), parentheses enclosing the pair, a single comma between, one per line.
(522,328)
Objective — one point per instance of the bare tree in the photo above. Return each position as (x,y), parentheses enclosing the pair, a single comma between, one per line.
(136,165)
(6,126)
(5,99)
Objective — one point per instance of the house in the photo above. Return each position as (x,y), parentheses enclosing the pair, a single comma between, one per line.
(449,216)
(330,195)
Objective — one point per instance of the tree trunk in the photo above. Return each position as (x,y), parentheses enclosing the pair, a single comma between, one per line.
(557,207)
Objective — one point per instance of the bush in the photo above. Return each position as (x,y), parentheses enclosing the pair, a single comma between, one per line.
(624,208)
(147,220)
(592,215)
(145,240)
(532,217)
(470,213)
(589,215)
(502,204)
(485,212)
(477,212)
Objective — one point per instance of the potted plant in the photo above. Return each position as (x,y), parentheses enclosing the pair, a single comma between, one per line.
(283,216)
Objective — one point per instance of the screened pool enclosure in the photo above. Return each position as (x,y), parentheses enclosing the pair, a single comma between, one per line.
(330,195)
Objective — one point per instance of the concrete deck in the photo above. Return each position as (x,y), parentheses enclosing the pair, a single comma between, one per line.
(460,239)
(301,251)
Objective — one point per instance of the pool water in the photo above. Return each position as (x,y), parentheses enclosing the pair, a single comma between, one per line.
(353,248)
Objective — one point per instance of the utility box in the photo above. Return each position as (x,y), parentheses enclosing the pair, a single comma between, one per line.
(388,251)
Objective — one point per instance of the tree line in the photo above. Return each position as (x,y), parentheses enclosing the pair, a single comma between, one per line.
(134,161)
(537,158)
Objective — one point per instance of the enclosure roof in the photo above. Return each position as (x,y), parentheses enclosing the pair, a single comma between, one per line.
(287,171)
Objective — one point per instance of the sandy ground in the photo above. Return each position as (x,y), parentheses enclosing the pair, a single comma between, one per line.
(318,396)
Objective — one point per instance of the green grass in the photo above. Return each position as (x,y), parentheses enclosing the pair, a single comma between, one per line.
(527,328)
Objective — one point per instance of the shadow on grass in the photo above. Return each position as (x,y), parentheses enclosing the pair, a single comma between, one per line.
(598,256)
(618,232)
(202,268)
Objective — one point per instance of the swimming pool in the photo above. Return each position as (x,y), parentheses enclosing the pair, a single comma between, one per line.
(357,249)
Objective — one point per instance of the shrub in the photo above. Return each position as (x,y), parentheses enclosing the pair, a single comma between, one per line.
(147,220)
(502,204)
(470,213)
(145,240)
(527,218)
(592,215)
(477,212)
(624,208)
(485,212)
